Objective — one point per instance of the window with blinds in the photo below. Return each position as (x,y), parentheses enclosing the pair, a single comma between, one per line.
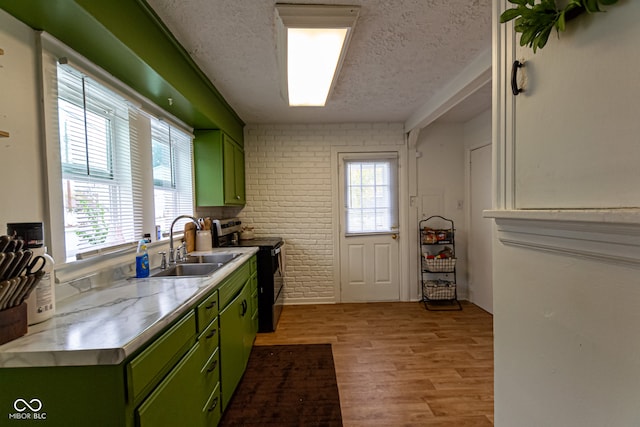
(172,181)
(104,172)
(371,205)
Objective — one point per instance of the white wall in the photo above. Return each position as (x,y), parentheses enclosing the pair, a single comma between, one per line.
(21,167)
(567,282)
(441,184)
(477,131)
(289,194)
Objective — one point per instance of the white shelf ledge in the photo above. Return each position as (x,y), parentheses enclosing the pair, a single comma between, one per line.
(606,235)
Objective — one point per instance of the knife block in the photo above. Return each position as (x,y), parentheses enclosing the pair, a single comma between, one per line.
(13,323)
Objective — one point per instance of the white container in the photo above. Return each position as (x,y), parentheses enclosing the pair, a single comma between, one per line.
(41,304)
(203,240)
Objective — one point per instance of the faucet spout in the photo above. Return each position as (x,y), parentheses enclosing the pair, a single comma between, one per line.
(172,259)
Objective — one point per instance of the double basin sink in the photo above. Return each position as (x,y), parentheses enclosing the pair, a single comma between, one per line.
(198,265)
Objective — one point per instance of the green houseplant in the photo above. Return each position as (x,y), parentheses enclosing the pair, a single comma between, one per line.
(535,21)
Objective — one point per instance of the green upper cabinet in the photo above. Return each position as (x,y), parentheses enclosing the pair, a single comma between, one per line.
(219,169)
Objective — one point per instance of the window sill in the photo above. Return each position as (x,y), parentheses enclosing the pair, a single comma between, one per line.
(99,263)
(606,235)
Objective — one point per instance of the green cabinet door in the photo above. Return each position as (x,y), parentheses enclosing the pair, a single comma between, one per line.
(219,169)
(249,320)
(178,400)
(232,346)
(233,173)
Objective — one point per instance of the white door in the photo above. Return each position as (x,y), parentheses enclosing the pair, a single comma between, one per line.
(480,252)
(369,255)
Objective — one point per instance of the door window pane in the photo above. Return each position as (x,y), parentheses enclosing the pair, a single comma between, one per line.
(370,197)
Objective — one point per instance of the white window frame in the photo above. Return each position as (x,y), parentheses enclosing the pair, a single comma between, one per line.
(51,51)
(391,159)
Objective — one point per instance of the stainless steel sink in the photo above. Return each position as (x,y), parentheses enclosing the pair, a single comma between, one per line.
(221,258)
(189,270)
(198,265)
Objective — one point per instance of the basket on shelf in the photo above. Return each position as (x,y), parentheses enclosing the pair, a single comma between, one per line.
(439,290)
(440,264)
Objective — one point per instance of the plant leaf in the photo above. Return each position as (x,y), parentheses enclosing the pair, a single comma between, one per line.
(510,14)
(561,24)
(541,40)
(591,5)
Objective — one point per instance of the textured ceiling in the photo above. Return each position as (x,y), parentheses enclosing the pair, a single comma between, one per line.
(402,52)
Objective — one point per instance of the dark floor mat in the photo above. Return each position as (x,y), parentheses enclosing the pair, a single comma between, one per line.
(287,385)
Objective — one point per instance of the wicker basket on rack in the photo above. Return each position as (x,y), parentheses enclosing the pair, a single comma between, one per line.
(440,264)
(439,290)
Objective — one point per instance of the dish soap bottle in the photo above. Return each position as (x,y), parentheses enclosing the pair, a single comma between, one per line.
(142,260)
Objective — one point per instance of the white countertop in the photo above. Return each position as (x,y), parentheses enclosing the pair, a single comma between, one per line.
(106,325)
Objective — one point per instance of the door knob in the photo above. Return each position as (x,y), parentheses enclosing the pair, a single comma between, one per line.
(394,236)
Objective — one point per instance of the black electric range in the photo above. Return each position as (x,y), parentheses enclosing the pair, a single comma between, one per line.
(270,280)
(270,266)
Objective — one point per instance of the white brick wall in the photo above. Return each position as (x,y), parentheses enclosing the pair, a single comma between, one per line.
(289,194)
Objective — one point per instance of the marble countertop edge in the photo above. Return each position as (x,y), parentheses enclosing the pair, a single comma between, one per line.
(107,325)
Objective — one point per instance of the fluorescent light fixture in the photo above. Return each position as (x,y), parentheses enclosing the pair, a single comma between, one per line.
(312,41)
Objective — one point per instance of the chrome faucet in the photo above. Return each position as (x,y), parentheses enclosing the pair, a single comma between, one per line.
(172,259)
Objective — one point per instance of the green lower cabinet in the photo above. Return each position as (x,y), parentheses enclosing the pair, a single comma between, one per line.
(146,369)
(212,411)
(236,340)
(185,376)
(232,346)
(178,400)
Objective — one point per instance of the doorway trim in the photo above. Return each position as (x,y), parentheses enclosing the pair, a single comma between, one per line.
(403,203)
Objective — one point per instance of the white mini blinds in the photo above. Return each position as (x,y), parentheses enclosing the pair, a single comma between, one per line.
(371,193)
(173,189)
(108,148)
(95,147)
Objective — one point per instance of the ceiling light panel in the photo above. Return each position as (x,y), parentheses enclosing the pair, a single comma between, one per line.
(312,42)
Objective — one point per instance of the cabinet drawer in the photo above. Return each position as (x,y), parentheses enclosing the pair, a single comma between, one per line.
(177,399)
(144,371)
(208,339)
(212,410)
(233,284)
(207,310)
(211,372)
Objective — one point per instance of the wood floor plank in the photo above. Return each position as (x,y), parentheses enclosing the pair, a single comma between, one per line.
(398,364)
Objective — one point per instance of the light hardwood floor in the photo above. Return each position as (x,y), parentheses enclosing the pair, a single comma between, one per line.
(398,364)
